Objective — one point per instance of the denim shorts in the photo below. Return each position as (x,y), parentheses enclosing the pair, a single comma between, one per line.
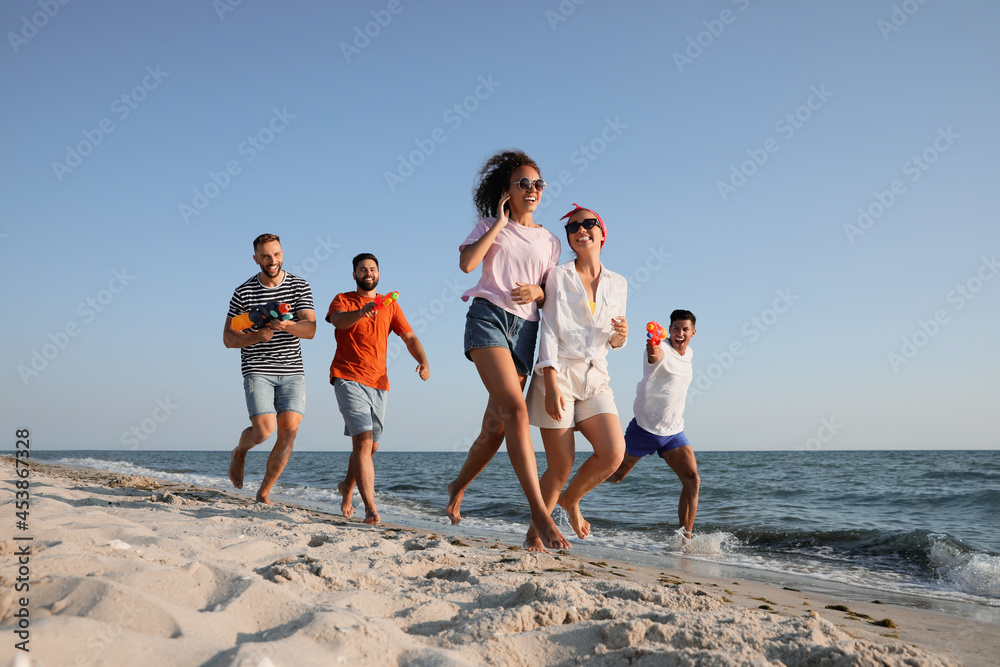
(267,394)
(488,325)
(363,407)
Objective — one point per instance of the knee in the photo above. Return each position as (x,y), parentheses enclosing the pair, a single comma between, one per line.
(559,469)
(287,434)
(691,482)
(363,446)
(261,433)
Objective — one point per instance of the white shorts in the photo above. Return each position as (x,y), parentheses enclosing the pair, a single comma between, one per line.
(585,391)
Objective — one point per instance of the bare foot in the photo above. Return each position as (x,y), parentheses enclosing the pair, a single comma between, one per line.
(372,518)
(549,534)
(534,543)
(455,503)
(263,499)
(347,504)
(236,462)
(580,525)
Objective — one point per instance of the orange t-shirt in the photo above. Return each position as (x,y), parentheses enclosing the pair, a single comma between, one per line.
(361,349)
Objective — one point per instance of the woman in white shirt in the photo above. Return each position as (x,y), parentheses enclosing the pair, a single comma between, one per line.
(583,315)
(502,324)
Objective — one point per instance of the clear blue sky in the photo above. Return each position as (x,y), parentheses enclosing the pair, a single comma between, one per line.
(728,146)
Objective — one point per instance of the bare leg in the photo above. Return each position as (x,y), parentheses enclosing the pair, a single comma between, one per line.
(261,428)
(288,428)
(364,473)
(559,453)
(346,487)
(624,469)
(496,368)
(604,432)
(481,453)
(683,462)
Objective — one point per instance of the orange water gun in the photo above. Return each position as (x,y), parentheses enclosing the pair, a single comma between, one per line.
(261,315)
(385,300)
(655,333)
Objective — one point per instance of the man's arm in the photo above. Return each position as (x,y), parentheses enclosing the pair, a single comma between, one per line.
(345,319)
(234,338)
(416,351)
(305,327)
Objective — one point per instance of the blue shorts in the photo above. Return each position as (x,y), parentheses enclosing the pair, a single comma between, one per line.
(363,407)
(489,325)
(640,442)
(267,394)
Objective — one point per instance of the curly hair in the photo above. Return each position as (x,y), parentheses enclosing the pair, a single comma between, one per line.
(494,178)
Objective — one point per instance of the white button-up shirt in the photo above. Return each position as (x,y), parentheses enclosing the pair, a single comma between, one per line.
(570,332)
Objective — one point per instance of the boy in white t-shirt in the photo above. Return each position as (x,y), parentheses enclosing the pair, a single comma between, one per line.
(658,425)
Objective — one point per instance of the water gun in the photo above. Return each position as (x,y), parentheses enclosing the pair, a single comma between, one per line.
(385,300)
(655,333)
(261,315)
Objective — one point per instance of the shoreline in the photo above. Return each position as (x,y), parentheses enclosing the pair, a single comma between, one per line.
(431,595)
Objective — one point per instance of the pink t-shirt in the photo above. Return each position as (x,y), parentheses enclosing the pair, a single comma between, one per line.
(519,254)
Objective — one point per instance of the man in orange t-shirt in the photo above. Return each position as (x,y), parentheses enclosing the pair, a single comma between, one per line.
(358,375)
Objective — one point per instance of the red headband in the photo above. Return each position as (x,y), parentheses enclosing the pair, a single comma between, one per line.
(604,230)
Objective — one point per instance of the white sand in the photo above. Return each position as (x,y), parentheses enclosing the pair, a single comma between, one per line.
(184,576)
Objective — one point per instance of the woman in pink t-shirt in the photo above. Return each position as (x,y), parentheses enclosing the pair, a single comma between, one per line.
(502,324)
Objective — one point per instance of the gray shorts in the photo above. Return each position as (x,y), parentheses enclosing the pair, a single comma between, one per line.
(363,407)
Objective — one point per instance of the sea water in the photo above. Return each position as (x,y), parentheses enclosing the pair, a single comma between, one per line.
(918,523)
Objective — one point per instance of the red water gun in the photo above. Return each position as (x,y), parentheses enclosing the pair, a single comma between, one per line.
(655,333)
(385,300)
(261,315)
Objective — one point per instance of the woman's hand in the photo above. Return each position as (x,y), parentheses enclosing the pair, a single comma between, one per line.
(554,401)
(525,293)
(502,218)
(619,331)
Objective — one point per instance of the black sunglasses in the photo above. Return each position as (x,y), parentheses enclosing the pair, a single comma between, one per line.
(526,183)
(574,227)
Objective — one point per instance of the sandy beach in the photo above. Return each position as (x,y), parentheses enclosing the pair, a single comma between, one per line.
(125,570)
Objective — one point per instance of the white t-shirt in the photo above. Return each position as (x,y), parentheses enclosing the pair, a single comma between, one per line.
(518,254)
(662,392)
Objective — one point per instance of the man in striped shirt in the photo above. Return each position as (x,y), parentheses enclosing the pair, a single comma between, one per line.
(273,374)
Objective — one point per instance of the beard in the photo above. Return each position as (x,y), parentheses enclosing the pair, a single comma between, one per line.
(366,284)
